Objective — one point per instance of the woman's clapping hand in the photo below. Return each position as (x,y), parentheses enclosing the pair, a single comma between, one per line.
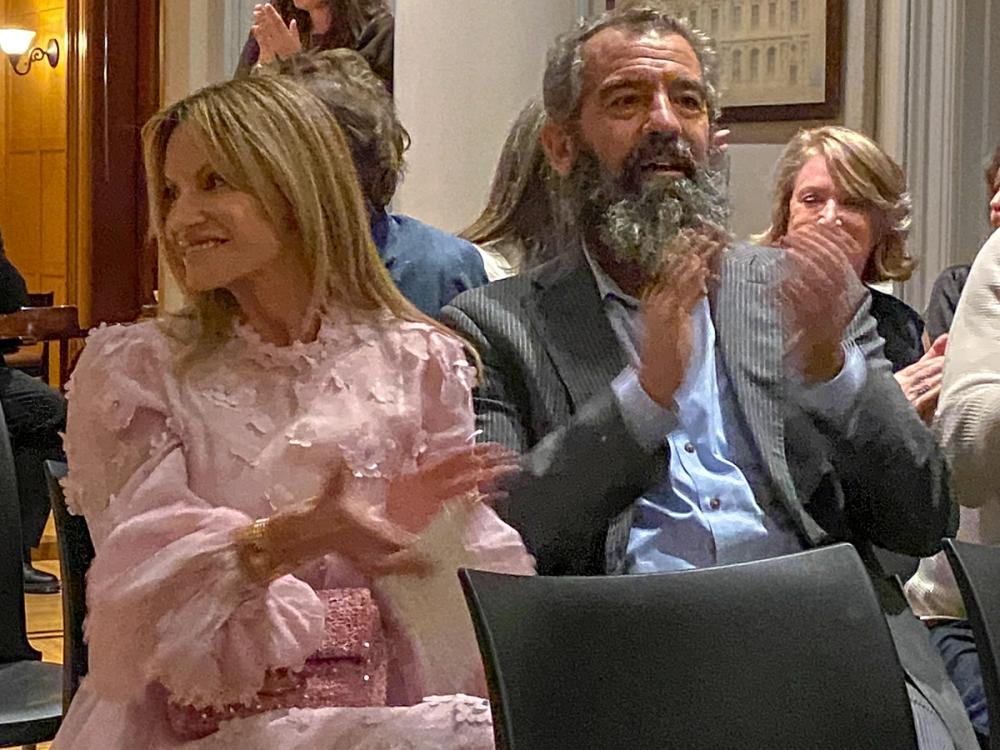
(474,473)
(275,38)
(921,381)
(378,541)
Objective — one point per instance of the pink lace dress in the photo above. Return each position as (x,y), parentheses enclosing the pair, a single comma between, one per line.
(166,464)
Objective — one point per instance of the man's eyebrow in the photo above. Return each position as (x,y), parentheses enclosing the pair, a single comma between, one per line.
(617,84)
(687,83)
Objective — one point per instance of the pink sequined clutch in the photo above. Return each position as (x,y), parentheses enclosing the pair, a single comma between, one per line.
(349,669)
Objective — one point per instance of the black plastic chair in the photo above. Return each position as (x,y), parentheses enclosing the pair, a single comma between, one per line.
(782,654)
(76,552)
(30,690)
(977,571)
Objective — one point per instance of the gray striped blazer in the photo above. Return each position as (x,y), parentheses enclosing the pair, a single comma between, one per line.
(549,356)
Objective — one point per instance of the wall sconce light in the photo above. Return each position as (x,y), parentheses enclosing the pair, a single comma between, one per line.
(16,43)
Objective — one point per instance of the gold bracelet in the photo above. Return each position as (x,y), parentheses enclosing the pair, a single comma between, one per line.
(256,555)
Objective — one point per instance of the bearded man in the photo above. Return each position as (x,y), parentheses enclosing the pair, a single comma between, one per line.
(683,401)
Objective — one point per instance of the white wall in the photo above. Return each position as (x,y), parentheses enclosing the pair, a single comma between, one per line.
(750,173)
(192,53)
(946,54)
(461,78)
(193,57)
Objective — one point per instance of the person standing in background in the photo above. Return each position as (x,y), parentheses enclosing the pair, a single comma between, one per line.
(967,424)
(283,27)
(948,286)
(35,416)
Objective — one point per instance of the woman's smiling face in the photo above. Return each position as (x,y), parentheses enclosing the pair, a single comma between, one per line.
(216,234)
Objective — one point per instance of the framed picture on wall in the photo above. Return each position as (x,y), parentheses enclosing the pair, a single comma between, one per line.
(778,59)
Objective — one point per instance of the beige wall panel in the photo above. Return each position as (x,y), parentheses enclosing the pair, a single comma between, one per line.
(36,104)
(25,95)
(52,81)
(21,7)
(53,210)
(33,145)
(55,284)
(23,216)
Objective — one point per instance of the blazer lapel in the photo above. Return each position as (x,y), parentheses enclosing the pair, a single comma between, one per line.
(749,328)
(569,316)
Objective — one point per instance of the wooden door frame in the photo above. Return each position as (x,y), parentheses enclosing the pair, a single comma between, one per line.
(113,86)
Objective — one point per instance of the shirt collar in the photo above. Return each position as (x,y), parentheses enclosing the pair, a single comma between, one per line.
(606,286)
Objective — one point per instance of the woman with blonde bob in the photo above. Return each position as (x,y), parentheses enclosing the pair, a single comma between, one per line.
(280,479)
(837,175)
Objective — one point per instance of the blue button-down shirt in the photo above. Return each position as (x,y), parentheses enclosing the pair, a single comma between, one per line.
(429,266)
(709,509)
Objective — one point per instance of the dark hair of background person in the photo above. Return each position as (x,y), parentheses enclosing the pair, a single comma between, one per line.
(518,218)
(348,20)
(366,26)
(343,81)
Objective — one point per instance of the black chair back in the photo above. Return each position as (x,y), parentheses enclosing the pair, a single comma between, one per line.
(76,552)
(977,571)
(783,654)
(30,706)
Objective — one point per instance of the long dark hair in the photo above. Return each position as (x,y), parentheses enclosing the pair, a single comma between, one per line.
(348,20)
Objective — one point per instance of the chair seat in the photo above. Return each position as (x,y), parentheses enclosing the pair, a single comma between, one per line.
(30,702)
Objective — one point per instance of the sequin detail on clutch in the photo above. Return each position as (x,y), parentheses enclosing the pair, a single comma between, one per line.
(349,669)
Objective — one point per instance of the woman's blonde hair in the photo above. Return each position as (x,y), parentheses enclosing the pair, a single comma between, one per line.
(269,137)
(867,175)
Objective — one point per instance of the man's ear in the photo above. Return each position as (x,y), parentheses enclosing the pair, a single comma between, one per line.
(559,146)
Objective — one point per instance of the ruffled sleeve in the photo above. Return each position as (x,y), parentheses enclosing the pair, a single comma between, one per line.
(167,598)
(431,609)
(449,422)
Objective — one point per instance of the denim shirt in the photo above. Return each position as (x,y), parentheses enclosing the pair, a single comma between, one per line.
(429,266)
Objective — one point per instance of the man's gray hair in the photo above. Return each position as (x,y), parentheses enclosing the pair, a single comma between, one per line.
(563,83)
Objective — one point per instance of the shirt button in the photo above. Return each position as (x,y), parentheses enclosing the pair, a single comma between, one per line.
(715,503)
(689,447)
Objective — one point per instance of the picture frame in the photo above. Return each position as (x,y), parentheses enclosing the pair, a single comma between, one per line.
(794,72)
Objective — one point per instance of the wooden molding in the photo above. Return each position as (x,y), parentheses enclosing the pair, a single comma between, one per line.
(112,272)
(77,161)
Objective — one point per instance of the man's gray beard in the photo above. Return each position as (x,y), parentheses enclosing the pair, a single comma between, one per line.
(638,224)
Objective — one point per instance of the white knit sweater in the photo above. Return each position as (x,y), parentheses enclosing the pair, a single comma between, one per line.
(968,425)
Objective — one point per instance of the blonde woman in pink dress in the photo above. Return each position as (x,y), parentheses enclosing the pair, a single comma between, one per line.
(263,471)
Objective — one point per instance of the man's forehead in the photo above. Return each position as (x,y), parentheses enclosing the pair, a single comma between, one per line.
(612,51)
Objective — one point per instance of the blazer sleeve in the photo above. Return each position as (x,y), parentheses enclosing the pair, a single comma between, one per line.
(893,473)
(500,398)
(968,418)
(577,479)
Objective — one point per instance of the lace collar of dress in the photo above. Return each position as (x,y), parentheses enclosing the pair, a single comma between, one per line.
(339,331)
